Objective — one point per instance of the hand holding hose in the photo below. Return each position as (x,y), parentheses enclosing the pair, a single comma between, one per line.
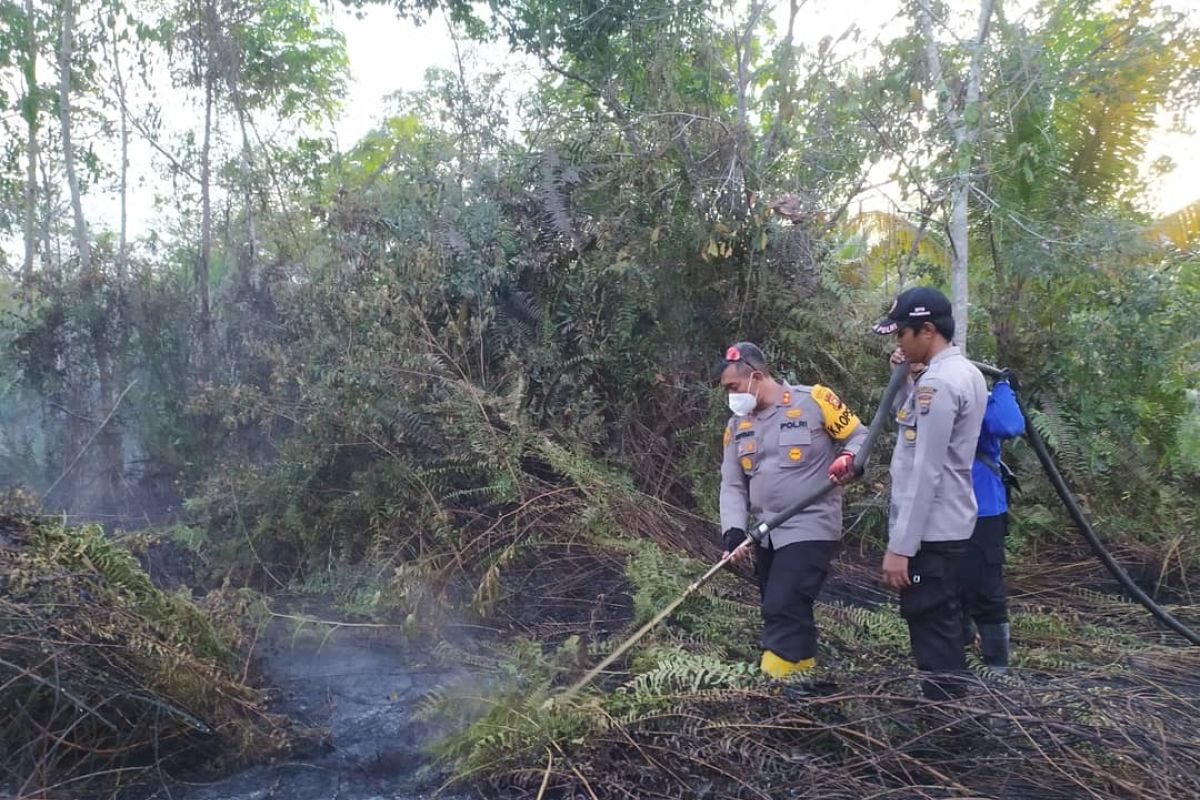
(731,540)
(897,358)
(842,471)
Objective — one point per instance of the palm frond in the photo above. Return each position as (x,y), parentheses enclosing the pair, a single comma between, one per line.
(885,239)
(1182,228)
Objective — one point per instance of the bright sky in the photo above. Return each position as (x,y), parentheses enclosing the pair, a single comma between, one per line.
(388,54)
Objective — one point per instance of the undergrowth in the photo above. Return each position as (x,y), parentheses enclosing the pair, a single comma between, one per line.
(688,714)
(106,674)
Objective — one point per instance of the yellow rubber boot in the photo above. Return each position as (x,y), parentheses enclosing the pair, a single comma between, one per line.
(781,668)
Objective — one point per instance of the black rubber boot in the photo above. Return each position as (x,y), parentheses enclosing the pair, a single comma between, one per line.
(993,645)
(969,632)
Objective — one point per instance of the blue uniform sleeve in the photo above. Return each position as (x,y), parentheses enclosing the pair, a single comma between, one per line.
(1003,417)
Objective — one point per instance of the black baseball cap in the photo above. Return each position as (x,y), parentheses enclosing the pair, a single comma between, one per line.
(918,304)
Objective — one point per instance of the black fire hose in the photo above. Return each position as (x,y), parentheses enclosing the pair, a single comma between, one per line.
(1068,499)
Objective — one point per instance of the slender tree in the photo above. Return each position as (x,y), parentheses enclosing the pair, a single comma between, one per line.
(66,52)
(961,115)
(30,111)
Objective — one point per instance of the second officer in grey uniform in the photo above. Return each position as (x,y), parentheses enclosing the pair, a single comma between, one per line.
(933,506)
(782,442)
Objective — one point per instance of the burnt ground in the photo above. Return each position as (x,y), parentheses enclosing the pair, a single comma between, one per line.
(363,685)
(360,688)
(561,590)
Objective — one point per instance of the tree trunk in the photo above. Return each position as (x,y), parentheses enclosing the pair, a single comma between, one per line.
(51,251)
(202,268)
(964,124)
(30,112)
(786,102)
(959,244)
(250,246)
(464,129)
(743,182)
(111,440)
(64,101)
(110,341)
(122,242)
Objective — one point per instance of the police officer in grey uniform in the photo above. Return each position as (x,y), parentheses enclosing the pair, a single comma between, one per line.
(782,442)
(933,508)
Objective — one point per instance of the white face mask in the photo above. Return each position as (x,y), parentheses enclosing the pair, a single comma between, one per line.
(742,403)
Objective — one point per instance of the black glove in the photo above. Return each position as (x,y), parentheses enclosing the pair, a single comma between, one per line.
(1011,377)
(731,538)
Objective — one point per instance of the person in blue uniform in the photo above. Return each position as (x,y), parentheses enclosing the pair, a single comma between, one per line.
(981,582)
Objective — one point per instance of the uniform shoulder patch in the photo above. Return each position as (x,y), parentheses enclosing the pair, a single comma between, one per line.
(827,395)
(925,395)
(728,437)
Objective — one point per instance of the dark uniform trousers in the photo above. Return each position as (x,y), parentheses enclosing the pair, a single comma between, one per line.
(931,608)
(982,575)
(790,579)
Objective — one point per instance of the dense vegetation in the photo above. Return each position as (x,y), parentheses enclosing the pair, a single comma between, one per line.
(459,367)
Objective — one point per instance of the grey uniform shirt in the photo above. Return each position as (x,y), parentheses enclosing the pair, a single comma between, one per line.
(773,457)
(939,422)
